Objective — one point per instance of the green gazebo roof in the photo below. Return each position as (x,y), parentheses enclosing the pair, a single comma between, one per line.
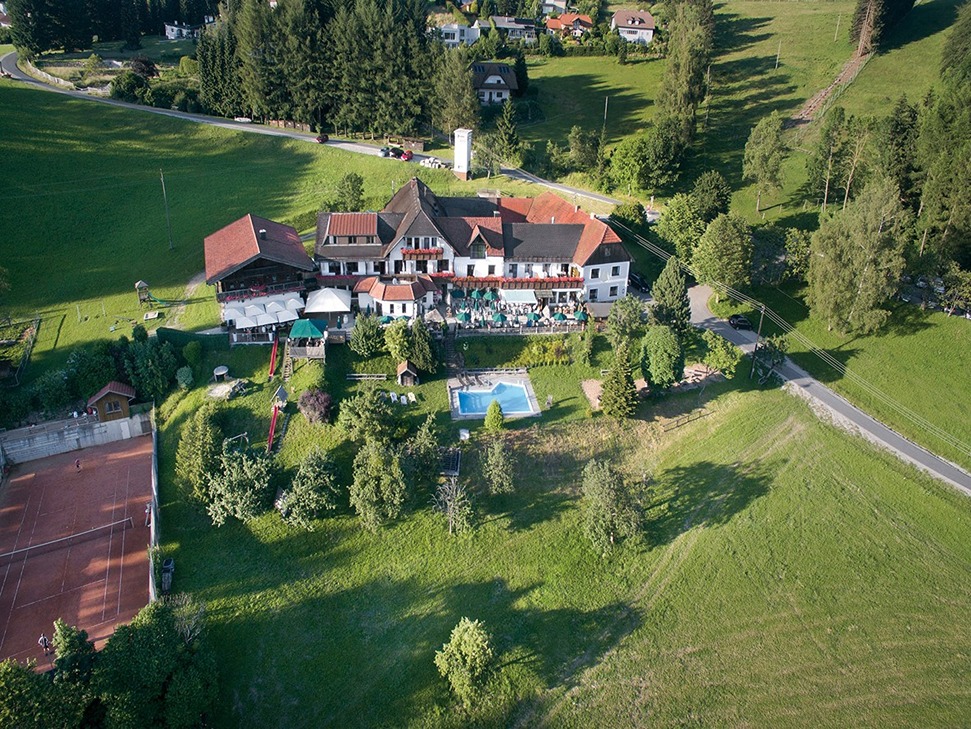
(308,329)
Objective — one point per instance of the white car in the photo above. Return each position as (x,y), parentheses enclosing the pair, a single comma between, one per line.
(433,163)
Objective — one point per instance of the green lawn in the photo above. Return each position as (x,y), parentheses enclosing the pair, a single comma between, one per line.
(922,360)
(760,595)
(571,91)
(82,207)
(908,64)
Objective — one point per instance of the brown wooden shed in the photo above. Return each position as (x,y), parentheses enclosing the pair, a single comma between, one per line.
(407,374)
(111,402)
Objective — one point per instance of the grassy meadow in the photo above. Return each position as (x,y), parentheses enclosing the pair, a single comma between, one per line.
(80,187)
(921,359)
(788,575)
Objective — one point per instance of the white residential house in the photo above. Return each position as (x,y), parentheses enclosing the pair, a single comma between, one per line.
(453,34)
(514,29)
(408,257)
(634,26)
(494,82)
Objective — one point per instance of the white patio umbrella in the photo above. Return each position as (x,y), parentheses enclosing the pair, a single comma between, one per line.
(294,304)
(275,307)
(253,310)
(245,322)
(284,316)
(264,320)
(230,313)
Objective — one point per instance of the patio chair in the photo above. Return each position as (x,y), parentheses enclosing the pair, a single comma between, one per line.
(394,397)
(412,399)
(402,400)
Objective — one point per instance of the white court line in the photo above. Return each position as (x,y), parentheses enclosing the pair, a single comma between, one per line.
(23,566)
(58,594)
(121,568)
(111,539)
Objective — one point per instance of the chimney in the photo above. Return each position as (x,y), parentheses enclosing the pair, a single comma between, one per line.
(262,233)
(552,219)
(576,208)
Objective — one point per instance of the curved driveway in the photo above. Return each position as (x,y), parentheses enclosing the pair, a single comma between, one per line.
(842,411)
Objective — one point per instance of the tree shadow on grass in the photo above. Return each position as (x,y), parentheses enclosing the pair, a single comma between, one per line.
(923,21)
(702,494)
(734,33)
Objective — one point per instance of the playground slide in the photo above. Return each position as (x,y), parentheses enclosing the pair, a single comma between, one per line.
(269,443)
(164,302)
(276,345)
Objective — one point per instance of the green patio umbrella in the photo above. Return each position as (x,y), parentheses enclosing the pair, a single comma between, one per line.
(476,294)
(458,294)
(581,316)
(559,316)
(464,316)
(499,317)
(386,319)
(491,296)
(533,316)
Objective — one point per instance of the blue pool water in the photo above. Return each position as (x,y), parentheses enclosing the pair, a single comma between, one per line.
(512,399)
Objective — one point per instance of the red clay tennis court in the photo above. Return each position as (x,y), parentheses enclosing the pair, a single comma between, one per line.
(73,544)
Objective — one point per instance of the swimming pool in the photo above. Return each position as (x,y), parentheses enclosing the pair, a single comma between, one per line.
(513,399)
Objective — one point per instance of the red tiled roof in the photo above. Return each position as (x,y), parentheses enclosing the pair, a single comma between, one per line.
(344,224)
(406,366)
(550,208)
(241,242)
(566,21)
(402,291)
(114,388)
(514,209)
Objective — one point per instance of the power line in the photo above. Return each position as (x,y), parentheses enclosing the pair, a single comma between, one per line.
(789,330)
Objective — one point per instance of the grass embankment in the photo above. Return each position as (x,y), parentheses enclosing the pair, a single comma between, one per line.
(921,360)
(760,595)
(81,199)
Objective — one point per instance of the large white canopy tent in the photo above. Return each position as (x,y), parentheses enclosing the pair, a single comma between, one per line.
(328,301)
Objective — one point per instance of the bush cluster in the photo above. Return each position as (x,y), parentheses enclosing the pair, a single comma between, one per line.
(544,351)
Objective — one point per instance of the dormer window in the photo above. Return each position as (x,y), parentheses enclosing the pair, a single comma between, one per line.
(478,250)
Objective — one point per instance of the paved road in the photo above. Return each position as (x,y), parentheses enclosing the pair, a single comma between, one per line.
(871,429)
(9,65)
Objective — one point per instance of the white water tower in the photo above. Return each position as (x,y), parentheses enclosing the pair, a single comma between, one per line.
(463,154)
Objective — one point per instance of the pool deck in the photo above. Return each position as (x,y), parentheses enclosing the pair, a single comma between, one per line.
(485,380)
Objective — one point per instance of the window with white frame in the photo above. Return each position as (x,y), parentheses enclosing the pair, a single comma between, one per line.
(594,295)
(615,271)
(613,292)
(594,273)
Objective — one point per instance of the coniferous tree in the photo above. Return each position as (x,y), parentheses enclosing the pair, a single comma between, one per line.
(618,398)
(379,487)
(498,468)
(671,306)
(220,88)
(456,103)
(826,160)
(254,48)
(507,140)
(199,451)
(662,358)
(711,195)
(422,347)
(610,513)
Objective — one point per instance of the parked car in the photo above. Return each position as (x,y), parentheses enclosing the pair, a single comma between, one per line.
(384,152)
(407,155)
(395,152)
(737,321)
(322,139)
(637,281)
(433,163)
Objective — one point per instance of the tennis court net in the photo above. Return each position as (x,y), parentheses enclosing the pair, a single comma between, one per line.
(100,532)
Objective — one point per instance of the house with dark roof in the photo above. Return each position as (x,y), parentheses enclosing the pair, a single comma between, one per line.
(634,26)
(421,246)
(111,402)
(494,81)
(254,256)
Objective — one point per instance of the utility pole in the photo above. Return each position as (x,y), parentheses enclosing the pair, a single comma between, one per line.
(777,54)
(837,31)
(758,338)
(606,99)
(168,220)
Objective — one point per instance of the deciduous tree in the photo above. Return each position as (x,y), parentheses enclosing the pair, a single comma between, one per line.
(497,467)
(313,492)
(368,415)
(350,193)
(724,253)
(379,487)
(241,487)
(452,501)
(857,260)
(720,354)
(397,339)
(765,151)
(422,347)
(610,513)
(682,225)
(662,358)
(367,337)
(199,452)
(711,195)
(625,321)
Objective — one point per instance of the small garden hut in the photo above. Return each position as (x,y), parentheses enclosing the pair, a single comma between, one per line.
(407,374)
